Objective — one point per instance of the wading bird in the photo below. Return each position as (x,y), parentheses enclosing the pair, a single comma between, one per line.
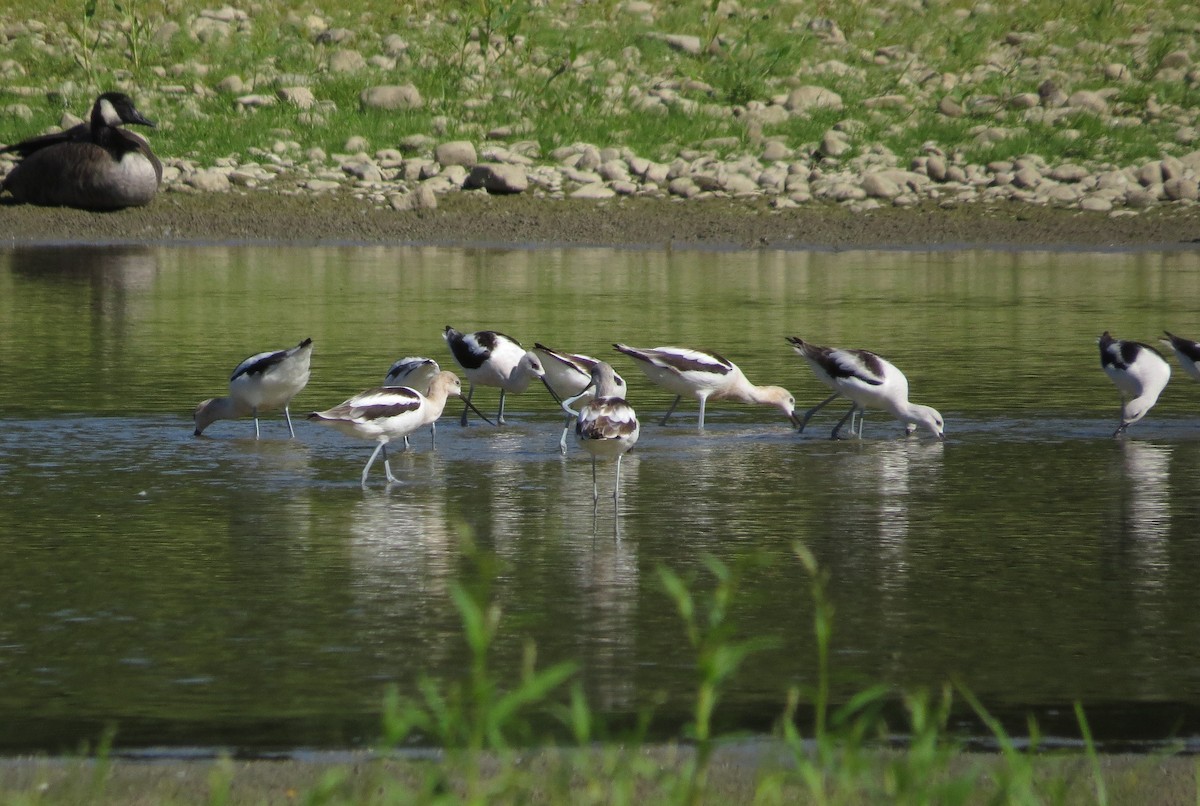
(415,372)
(1187,352)
(703,376)
(489,358)
(262,382)
(569,375)
(389,412)
(607,426)
(1140,373)
(868,381)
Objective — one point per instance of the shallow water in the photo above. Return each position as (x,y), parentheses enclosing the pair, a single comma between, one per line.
(223,591)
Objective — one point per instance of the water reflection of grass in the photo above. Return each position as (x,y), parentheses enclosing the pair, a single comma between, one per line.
(483,727)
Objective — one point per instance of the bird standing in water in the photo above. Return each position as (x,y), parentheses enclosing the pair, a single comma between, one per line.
(263,382)
(390,412)
(1139,372)
(607,426)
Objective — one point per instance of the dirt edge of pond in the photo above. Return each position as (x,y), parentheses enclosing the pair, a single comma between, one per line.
(482,220)
(733,777)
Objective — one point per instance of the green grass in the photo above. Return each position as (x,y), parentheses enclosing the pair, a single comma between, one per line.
(485,63)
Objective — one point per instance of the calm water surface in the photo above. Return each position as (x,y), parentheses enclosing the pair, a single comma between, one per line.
(223,591)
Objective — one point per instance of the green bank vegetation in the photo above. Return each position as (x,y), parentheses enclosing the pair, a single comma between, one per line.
(556,72)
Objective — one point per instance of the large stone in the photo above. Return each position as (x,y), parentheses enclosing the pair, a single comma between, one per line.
(298,96)
(1088,100)
(595,190)
(684,42)
(456,152)
(810,97)
(391,96)
(1181,189)
(346,61)
(498,178)
(209,181)
(880,187)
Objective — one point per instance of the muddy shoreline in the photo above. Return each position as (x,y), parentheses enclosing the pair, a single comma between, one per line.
(480,219)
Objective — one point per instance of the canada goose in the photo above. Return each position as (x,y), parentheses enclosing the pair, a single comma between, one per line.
(95,166)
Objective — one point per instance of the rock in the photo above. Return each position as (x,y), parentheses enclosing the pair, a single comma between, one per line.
(739,184)
(935,168)
(1027,178)
(1050,95)
(683,42)
(886,102)
(231,84)
(1150,174)
(1140,198)
(391,96)
(255,101)
(1088,100)
(1116,72)
(809,97)
(456,152)
(595,190)
(365,171)
(834,144)
(301,97)
(880,187)
(209,181)
(1069,173)
(498,178)
(421,198)
(356,143)
(394,45)
(1096,204)
(684,187)
(1181,189)
(321,185)
(346,61)
(775,151)
(950,107)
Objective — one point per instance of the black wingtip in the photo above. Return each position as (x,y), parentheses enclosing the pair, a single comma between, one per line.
(306,342)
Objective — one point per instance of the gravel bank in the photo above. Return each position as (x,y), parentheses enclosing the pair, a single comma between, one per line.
(478,218)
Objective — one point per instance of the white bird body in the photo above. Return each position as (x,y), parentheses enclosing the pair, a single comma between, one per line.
(607,426)
(1139,372)
(263,382)
(704,376)
(1187,352)
(415,372)
(570,375)
(489,358)
(389,412)
(869,381)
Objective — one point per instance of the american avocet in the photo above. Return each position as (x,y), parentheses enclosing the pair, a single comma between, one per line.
(1140,373)
(868,381)
(606,426)
(388,412)
(1186,351)
(415,372)
(569,375)
(492,359)
(262,382)
(704,375)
